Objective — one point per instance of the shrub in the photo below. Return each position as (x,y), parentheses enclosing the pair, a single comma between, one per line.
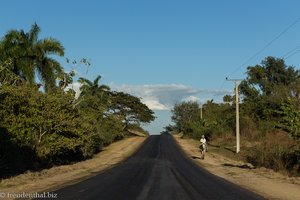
(291,160)
(275,153)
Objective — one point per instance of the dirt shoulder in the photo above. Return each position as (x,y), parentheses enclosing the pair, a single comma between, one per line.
(265,182)
(57,177)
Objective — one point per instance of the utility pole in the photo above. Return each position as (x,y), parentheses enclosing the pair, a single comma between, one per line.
(201,111)
(237,118)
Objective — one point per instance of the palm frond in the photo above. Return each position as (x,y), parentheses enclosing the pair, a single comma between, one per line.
(34,32)
(51,47)
(46,74)
(96,81)
(104,88)
(85,81)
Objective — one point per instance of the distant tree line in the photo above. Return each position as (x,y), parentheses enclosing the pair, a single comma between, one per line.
(269,116)
(42,124)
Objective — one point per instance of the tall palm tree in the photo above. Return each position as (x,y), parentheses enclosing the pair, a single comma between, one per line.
(30,54)
(14,48)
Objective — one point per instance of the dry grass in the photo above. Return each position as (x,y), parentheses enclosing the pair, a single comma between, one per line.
(57,177)
(269,151)
(260,149)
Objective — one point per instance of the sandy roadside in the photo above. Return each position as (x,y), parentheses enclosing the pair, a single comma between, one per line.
(57,177)
(265,182)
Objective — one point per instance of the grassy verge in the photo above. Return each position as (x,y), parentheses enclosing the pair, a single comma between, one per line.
(273,150)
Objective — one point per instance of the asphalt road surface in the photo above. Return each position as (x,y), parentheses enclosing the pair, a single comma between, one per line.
(158,170)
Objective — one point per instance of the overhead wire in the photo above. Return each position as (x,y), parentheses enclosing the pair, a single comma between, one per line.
(263,48)
(266,46)
(291,52)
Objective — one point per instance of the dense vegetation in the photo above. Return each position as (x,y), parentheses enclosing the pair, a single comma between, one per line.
(269,117)
(43,124)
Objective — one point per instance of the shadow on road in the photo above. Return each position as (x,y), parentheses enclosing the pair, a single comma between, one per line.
(243,166)
(196,157)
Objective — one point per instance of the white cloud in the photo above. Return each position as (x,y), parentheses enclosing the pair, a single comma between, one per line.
(191,98)
(76,87)
(164,96)
(158,97)
(155,104)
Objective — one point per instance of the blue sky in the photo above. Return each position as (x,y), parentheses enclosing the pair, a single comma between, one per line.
(164,51)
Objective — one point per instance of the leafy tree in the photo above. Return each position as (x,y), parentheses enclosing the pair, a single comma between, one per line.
(267,85)
(7,77)
(129,109)
(290,120)
(228,99)
(266,78)
(48,124)
(94,100)
(184,113)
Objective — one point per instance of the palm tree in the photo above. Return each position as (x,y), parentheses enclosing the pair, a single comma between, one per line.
(93,95)
(93,87)
(30,54)
(14,49)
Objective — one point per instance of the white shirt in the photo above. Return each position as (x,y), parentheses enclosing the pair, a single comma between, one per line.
(203,140)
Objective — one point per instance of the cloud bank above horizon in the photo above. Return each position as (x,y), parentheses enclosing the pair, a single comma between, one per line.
(165,96)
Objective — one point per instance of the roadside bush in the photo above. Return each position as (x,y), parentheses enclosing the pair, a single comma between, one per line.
(265,126)
(276,153)
(248,128)
(48,125)
(111,130)
(14,158)
(90,144)
(291,160)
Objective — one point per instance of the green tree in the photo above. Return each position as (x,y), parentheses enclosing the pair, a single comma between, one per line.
(267,85)
(129,109)
(290,118)
(89,87)
(48,124)
(7,77)
(228,99)
(266,79)
(184,113)
(94,99)
(29,54)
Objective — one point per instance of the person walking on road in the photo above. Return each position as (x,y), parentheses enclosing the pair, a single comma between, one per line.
(203,142)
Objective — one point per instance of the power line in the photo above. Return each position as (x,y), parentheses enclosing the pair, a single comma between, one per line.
(289,52)
(266,46)
(292,54)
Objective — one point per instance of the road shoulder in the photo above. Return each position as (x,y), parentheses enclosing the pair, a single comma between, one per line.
(56,177)
(265,182)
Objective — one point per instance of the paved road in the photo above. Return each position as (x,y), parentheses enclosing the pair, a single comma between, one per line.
(158,170)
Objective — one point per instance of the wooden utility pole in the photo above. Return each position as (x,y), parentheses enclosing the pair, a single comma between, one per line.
(201,110)
(237,118)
